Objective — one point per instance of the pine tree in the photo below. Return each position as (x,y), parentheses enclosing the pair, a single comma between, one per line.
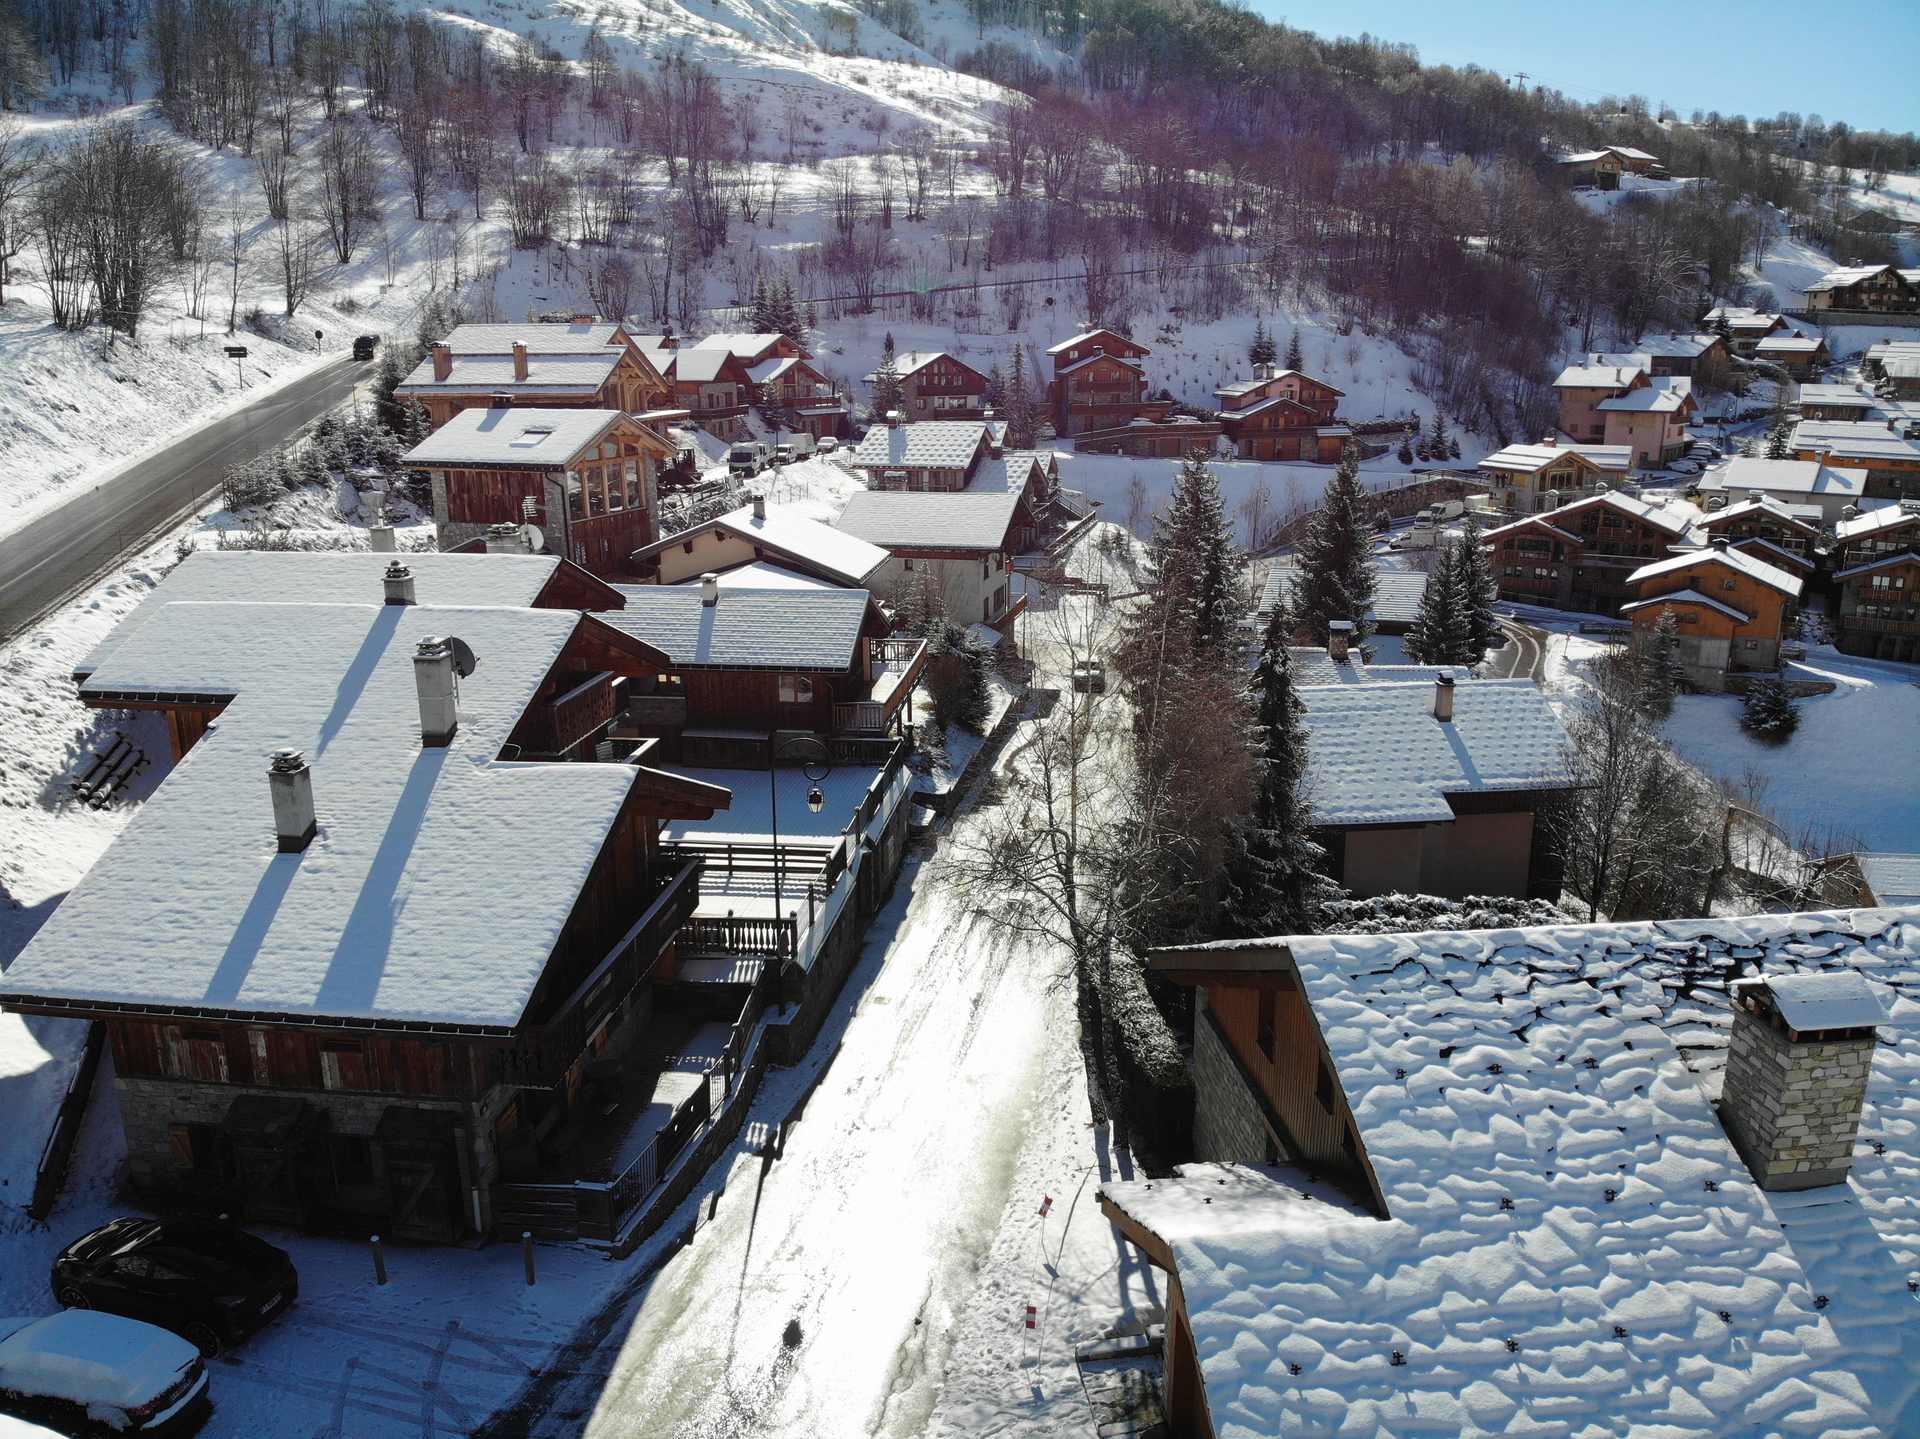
(787,314)
(1275,881)
(1336,567)
(760,310)
(1437,437)
(1294,358)
(1262,351)
(1453,447)
(1406,452)
(1780,441)
(388,410)
(1658,672)
(994,396)
(1019,409)
(973,702)
(886,384)
(1768,712)
(1441,629)
(1196,566)
(1479,590)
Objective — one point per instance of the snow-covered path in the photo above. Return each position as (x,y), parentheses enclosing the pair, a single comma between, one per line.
(872,1278)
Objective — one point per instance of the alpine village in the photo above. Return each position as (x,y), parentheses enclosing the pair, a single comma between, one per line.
(958,719)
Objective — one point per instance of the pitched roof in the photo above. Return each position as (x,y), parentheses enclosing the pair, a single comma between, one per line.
(1796,477)
(1661,517)
(1086,335)
(1687,597)
(1527,459)
(763,575)
(532,436)
(1396,593)
(1660,396)
(782,628)
(1675,346)
(696,366)
(1873,521)
(1893,878)
(1314,666)
(546,374)
(1096,358)
(1905,557)
(1247,387)
(1574,1245)
(1739,561)
(1795,344)
(1854,440)
(333,577)
(396,910)
(743,343)
(921,444)
(573,338)
(788,534)
(1597,377)
(1772,553)
(1847,275)
(910,362)
(1850,395)
(1798,516)
(1376,754)
(769,370)
(964,520)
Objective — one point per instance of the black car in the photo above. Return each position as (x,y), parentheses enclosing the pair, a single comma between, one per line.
(204,1279)
(363,347)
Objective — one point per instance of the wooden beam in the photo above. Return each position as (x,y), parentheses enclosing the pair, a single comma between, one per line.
(1274,979)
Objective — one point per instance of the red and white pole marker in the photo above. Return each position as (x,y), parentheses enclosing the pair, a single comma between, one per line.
(1046,1203)
(1033,1317)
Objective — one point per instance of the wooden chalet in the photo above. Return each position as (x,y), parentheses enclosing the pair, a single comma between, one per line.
(584,364)
(937,386)
(804,398)
(742,666)
(1745,327)
(1877,571)
(1592,169)
(962,545)
(1099,384)
(944,456)
(1730,608)
(711,383)
(1790,529)
(1866,290)
(1526,479)
(761,546)
(1890,461)
(587,480)
(1578,557)
(1798,354)
(406,939)
(1283,415)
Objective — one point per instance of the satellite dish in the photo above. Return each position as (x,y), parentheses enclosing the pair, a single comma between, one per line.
(536,538)
(464,663)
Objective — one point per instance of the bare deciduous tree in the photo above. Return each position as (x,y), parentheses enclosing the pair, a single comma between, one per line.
(349,184)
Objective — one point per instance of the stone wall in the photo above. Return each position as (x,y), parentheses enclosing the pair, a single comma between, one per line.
(1792,1107)
(1227,1123)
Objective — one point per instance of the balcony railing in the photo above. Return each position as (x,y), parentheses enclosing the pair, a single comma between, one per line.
(1879,625)
(546,1051)
(575,715)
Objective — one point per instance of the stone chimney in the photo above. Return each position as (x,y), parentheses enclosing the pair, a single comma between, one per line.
(399,582)
(292,785)
(1443,699)
(519,363)
(1798,1062)
(442,362)
(438,688)
(760,507)
(709,589)
(1339,638)
(506,538)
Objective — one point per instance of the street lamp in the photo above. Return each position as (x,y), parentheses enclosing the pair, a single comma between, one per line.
(813,756)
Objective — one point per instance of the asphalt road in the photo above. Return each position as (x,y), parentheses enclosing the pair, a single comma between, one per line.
(65,549)
(1524,656)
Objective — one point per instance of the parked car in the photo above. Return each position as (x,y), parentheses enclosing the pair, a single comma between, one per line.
(784,455)
(746,461)
(826,444)
(102,1374)
(203,1279)
(364,345)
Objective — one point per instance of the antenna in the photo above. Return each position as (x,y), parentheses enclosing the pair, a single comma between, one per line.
(464,662)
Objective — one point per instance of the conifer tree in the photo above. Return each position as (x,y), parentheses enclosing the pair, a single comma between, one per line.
(787,316)
(760,310)
(1437,438)
(1019,408)
(886,383)
(1440,632)
(1294,358)
(995,393)
(1659,673)
(1405,455)
(1262,351)
(1479,591)
(1196,565)
(1768,712)
(1275,880)
(1336,568)
(386,409)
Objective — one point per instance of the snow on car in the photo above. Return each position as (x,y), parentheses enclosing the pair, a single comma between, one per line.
(123,1375)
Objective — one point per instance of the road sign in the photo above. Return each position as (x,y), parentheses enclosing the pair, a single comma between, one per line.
(236,352)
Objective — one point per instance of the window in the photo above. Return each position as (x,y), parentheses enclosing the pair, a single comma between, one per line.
(343,1065)
(198,1054)
(352,1159)
(796,690)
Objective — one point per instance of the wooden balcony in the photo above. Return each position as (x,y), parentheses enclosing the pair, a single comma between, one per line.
(894,666)
(1879,625)
(573,716)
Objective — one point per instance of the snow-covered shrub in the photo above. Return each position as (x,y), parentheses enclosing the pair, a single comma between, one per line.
(1768,712)
(1412,913)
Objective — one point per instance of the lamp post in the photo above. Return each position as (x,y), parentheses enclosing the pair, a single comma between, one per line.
(817,757)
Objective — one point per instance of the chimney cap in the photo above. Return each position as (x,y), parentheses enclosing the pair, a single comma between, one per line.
(1815,1003)
(1341,626)
(287,761)
(710,588)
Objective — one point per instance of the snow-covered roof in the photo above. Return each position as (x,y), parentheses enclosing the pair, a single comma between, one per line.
(1377,755)
(910,362)
(965,520)
(779,628)
(397,910)
(1804,517)
(1314,666)
(1905,557)
(1624,359)
(1676,521)
(1527,459)
(1660,396)
(1396,593)
(1247,387)
(769,370)
(1873,521)
(1013,470)
(1847,275)
(1584,157)
(563,373)
(1097,357)
(1573,1244)
(1849,395)
(920,444)
(1086,335)
(1739,561)
(1688,597)
(322,577)
(760,575)
(1854,440)
(1790,345)
(535,437)
(1676,347)
(697,366)
(1627,152)
(1772,553)
(1598,377)
(746,344)
(1893,878)
(573,338)
(783,531)
(1795,477)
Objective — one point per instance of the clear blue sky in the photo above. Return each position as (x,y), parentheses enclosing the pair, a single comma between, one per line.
(1757,58)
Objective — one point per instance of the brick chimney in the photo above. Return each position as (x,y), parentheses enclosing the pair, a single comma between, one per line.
(1339,639)
(399,583)
(442,362)
(292,785)
(434,681)
(1443,699)
(709,589)
(1798,1062)
(519,363)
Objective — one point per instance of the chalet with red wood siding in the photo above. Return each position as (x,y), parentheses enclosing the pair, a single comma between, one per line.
(585,364)
(1283,415)
(1578,557)
(1098,383)
(937,386)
